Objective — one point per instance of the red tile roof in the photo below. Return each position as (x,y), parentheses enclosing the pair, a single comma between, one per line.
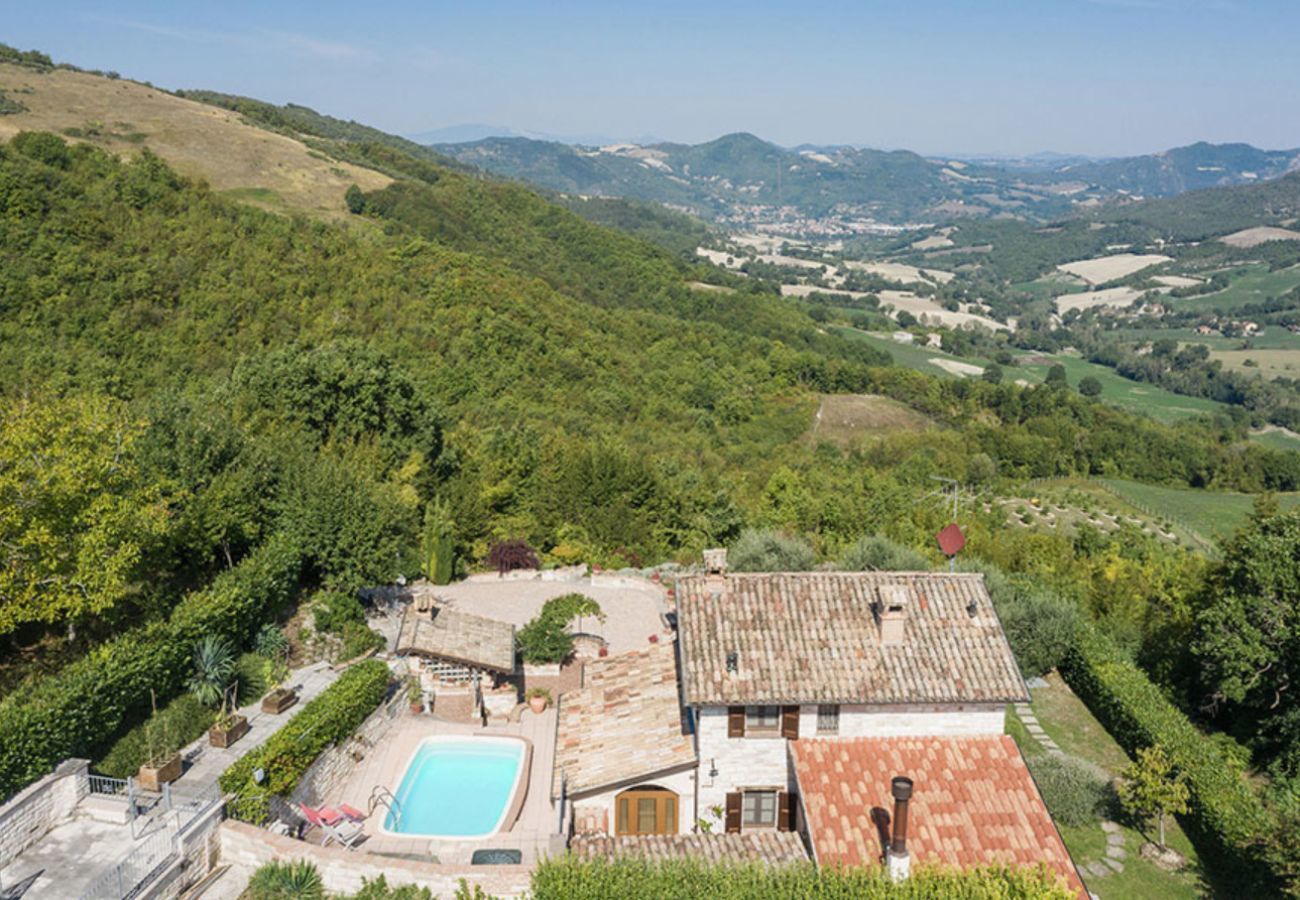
(815,637)
(974,802)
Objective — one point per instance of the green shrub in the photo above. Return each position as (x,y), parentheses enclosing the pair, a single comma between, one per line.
(271,643)
(80,710)
(358,639)
(876,552)
(546,638)
(295,880)
(286,755)
(378,889)
(1075,791)
(1228,821)
(761,550)
(250,675)
(175,725)
(567,878)
(333,610)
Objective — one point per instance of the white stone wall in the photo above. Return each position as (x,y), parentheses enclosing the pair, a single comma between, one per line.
(680,783)
(343,871)
(762,761)
(40,806)
(333,767)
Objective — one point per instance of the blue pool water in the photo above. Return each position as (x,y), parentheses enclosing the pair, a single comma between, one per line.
(457,787)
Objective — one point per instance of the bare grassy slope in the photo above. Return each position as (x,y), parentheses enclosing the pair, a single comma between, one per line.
(199,141)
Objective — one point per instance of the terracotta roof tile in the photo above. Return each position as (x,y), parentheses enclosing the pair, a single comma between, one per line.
(774,847)
(814,637)
(974,802)
(624,723)
(459,637)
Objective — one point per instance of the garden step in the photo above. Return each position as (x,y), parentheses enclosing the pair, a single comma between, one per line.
(1114,864)
(1116,852)
(1110,827)
(1115,837)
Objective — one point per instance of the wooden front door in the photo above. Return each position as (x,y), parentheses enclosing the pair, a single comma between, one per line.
(645,811)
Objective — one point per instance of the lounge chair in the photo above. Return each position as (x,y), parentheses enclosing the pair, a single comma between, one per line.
(345,831)
(332,815)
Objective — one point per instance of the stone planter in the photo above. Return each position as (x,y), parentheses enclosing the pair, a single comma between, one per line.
(223,734)
(537,704)
(278,701)
(153,777)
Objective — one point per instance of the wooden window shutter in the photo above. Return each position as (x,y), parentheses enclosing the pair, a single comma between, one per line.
(735,721)
(787,808)
(790,722)
(733,813)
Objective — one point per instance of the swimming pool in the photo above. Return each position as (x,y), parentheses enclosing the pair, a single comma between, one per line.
(459,787)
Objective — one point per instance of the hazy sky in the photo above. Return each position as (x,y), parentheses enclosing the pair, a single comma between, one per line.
(1102,77)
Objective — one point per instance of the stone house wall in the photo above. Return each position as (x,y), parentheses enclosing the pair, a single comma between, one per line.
(40,806)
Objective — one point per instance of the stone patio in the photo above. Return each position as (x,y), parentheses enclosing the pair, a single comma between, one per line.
(535,832)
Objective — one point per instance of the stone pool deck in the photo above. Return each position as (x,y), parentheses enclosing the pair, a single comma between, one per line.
(536,830)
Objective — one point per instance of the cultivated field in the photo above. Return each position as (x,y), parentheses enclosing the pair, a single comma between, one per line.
(1268,363)
(1249,284)
(1213,514)
(1253,237)
(198,140)
(901,273)
(1108,268)
(1118,297)
(845,418)
(933,312)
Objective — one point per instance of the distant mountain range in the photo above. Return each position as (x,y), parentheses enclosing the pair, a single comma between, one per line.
(742,180)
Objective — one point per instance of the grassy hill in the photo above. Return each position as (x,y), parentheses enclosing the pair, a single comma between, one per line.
(1199,165)
(271,170)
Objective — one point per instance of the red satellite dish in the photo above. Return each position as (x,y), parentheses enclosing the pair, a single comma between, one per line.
(951,540)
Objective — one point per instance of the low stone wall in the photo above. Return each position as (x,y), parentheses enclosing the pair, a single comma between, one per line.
(198,847)
(345,871)
(40,806)
(332,768)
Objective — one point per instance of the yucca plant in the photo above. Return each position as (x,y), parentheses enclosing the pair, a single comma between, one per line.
(214,667)
(296,880)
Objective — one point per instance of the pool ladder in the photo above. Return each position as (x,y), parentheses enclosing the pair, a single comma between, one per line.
(382,796)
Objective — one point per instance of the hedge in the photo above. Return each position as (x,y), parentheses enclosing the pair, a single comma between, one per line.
(1227,818)
(568,878)
(334,715)
(80,710)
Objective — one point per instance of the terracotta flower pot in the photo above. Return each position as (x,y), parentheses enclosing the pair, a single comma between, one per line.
(537,704)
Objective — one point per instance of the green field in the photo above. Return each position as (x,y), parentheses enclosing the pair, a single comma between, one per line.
(1275,337)
(1144,399)
(1049,286)
(1249,284)
(1278,440)
(1212,514)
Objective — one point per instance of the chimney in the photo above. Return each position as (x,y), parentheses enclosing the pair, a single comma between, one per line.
(715,570)
(898,860)
(893,614)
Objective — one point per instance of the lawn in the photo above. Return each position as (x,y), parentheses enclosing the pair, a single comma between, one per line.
(1249,284)
(1068,722)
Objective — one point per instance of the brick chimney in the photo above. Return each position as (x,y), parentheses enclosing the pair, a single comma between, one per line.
(898,860)
(715,570)
(893,614)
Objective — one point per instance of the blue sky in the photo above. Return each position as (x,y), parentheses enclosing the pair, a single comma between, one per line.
(1102,77)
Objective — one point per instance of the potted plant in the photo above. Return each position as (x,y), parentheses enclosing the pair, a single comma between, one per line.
(280,698)
(538,698)
(415,694)
(163,764)
(212,684)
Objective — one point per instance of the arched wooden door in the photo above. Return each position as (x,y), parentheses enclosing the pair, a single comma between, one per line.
(646,810)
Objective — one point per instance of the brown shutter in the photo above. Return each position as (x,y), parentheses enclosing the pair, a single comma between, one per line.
(784,812)
(733,813)
(735,721)
(790,722)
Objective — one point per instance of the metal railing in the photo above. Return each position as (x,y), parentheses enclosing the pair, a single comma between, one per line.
(112,787)
(129,877)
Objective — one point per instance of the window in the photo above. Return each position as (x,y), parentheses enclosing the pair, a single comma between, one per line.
(828,719)
(759,718)
(758,809)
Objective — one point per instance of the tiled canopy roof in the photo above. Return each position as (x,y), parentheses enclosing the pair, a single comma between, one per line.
(973,802)
(814,637)
(623,724)
(459,637)
(772,847)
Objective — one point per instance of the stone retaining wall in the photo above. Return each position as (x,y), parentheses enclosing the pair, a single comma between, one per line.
(345,871)
(331,769)
(40,806)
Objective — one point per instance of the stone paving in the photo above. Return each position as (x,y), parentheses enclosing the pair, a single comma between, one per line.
(1116,852)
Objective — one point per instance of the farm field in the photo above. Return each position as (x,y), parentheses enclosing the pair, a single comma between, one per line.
(1146,399)
(1049,286)
(1267,363)
(1274,338)
(1108,268)
(844,418)
(1277,438)
(1214,515)
(1249,284)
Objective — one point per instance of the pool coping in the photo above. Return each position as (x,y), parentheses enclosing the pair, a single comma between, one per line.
(513,807)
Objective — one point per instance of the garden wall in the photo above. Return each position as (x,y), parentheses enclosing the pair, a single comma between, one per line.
(40,807)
